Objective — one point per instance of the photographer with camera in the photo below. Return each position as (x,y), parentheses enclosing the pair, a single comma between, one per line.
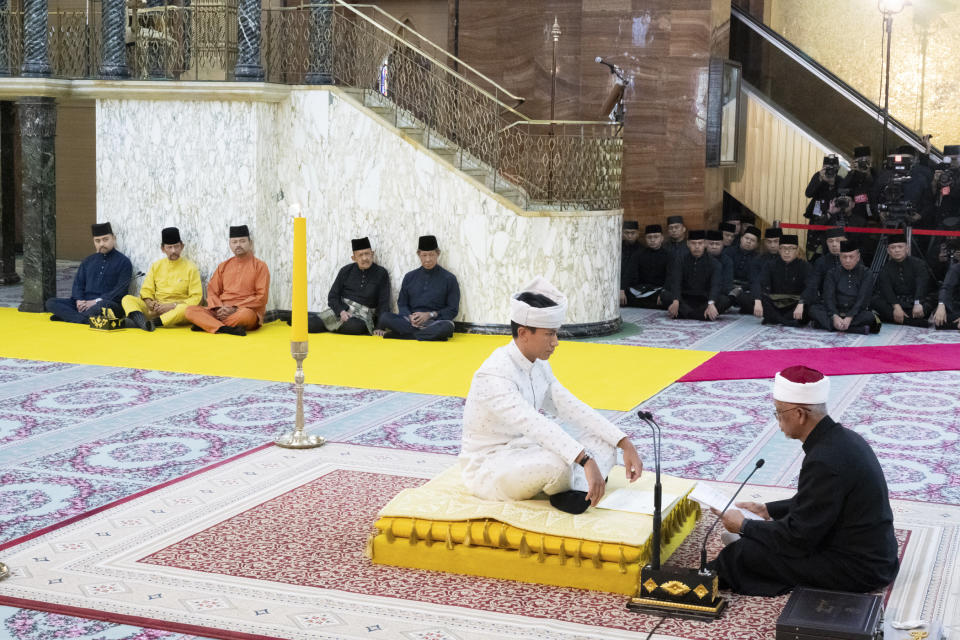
(944,210)
(822,190)
(858,196)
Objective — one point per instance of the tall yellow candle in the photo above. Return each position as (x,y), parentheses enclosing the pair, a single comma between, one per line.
(299,317)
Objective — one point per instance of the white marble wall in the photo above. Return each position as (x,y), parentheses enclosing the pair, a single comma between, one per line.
(205,165)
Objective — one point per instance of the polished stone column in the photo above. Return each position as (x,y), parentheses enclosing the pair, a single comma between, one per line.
(4,42)
(36,61)
(8,196)
(38,126)
(248,41)
(113,50)
(320,70)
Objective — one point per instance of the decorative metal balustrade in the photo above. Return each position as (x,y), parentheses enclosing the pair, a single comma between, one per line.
(456,109)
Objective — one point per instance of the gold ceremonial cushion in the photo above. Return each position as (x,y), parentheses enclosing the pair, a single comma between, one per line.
(528,540)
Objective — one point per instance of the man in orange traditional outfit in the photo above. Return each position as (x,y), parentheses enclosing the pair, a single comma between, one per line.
(237,291)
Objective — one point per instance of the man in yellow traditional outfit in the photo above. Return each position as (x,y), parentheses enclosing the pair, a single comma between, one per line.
(172,283)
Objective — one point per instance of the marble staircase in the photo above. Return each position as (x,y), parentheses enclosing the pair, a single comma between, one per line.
(415,130)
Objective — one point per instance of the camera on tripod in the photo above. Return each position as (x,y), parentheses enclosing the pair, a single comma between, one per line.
(948,175)
(895,208)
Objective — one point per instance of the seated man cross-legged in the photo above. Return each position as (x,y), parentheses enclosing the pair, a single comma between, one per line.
(359,295)
(237,292)
(782,284)
(511,451)
(429,299)
(836,532)
(101,281)
(172,284)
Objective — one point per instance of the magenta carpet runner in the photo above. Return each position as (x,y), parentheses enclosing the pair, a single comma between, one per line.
(837,361)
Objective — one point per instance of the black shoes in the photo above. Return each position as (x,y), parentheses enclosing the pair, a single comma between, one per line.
(138,320)
(232,331)
(571,501)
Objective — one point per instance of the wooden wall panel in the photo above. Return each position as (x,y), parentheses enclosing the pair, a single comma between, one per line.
(76,149)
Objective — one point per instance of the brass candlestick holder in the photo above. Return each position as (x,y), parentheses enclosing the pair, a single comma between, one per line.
(4,571)
(297,439)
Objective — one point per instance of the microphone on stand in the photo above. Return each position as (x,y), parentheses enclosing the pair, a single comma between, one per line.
(647,417)
(703,548)
(604,62)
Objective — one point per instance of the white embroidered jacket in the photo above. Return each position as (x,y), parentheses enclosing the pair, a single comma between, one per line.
(502,409)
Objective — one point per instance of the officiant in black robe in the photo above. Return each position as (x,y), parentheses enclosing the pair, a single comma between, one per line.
(836,532)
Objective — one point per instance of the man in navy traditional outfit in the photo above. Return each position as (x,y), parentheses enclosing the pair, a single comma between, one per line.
(101,281)
(429,299)
(836,532)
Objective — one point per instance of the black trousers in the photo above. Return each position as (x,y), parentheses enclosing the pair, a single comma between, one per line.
(647,302)
(748,567)
(745,302)
(352,327)
(66,309)
(691,307)
(823,320)
(885,311)
(435,330)
(782,315)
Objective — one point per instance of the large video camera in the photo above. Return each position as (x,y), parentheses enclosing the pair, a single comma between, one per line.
(894,206)
(948,175)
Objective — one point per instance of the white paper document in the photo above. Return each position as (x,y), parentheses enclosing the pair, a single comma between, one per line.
(635,501)
(710,497)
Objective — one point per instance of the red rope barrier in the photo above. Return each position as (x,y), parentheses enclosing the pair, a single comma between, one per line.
(824,227)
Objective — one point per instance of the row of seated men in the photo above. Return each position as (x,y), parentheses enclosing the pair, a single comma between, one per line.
(712,271)
(237,293)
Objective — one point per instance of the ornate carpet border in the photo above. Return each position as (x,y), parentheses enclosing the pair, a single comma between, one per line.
(154,521)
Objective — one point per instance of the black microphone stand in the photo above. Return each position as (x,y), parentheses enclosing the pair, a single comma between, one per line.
(676,591)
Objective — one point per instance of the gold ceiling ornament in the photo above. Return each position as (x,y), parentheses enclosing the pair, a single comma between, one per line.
(675,588)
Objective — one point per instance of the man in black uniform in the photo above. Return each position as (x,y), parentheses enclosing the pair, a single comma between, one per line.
(903,294)
(836,532)
(647,272)
(677,233)
(860,186)
(824,264)
(948,309)
(846,295)
(629,245)
(693,282)
(743,255)
(782,285)
(359,295)
(715,250)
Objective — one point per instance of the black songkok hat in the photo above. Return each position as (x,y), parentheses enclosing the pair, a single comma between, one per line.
(675,220)
(753,231)
(101,229)
(728,226)
(951,149)
(848,245)
(239,232)
(732,216)
(772,232)
(714,235)
(789,239)
(831,160)
(861,152)
(359,244)
(653,228)
(896,237)
(835,232)
(631,224)
(170,235)
(426,243)
(697,234)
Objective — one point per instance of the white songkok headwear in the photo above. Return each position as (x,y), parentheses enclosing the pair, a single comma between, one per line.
(545,318)
(801,385)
